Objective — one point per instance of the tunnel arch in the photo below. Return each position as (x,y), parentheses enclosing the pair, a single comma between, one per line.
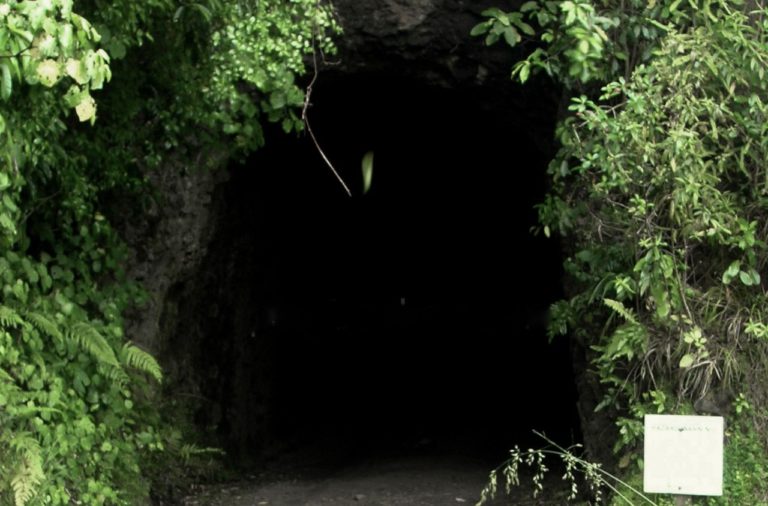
(410,318)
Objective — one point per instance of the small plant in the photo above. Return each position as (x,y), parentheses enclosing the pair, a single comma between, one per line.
(577,470)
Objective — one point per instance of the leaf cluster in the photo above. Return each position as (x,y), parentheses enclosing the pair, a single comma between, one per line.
(172,83)
(660,191)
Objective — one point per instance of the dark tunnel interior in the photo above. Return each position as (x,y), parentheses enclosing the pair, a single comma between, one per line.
(408,318)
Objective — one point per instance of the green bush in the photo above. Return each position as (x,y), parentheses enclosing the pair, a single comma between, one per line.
(659,190)
(79,412)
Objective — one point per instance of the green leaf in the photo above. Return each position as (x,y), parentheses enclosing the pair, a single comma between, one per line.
(570,9)
(481,28)
(732,271)
(90,340)
(25,35)
(178,13)
(367,171)
(511,36)
(10,318)
(48,71)
(525,28)
(7,83)
(7,223)
(86,109)
(28,474)
(230,128)
(661,297)
(139,359)
(277,99)
(66,8)
(523,70)
(65,37)
(35,14)
(493,12)
(529,6)
(204,11)
(77,71)
(620,309)
(749,278)
(45,325)
(491,39)
(73,96)
(100,71)
(47,46)
(687,361)
(117,49)
(9,203)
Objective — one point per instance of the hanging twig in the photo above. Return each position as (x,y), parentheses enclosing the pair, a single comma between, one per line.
(305,118)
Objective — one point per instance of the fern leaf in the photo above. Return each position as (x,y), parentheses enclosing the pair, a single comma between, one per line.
(115,374)
(10,318)
(29,473)
(90,340)
(8,378)
(621,309)
(188,451)
(44,325)
(139,359)
(628,341)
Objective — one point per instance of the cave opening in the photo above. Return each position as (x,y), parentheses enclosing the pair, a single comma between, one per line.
(407,319)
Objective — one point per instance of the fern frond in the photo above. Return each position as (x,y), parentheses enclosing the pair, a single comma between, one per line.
(90,340)
(8,378)
(115,374)
(628,341)
(22,442)
(44,325)
(188,451)
(29,472)
(139,359)
(10,318)
(621,309)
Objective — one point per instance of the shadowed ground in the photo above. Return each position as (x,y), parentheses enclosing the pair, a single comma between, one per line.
(403,481)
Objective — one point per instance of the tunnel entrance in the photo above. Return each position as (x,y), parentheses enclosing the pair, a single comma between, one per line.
(408,318)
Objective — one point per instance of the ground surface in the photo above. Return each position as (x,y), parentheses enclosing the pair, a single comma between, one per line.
(394,481)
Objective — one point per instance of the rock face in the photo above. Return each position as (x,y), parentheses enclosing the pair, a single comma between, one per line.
(168,243)
(201,257)
(425,39)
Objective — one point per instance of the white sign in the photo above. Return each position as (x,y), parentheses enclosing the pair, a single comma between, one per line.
(683,455)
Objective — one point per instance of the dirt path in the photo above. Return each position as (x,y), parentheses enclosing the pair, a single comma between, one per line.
(406,481)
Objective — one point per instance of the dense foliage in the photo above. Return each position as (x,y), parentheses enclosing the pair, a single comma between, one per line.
(95,94)
(660,189)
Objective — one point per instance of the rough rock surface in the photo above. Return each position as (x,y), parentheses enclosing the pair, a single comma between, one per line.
(167,243)
(426,39)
